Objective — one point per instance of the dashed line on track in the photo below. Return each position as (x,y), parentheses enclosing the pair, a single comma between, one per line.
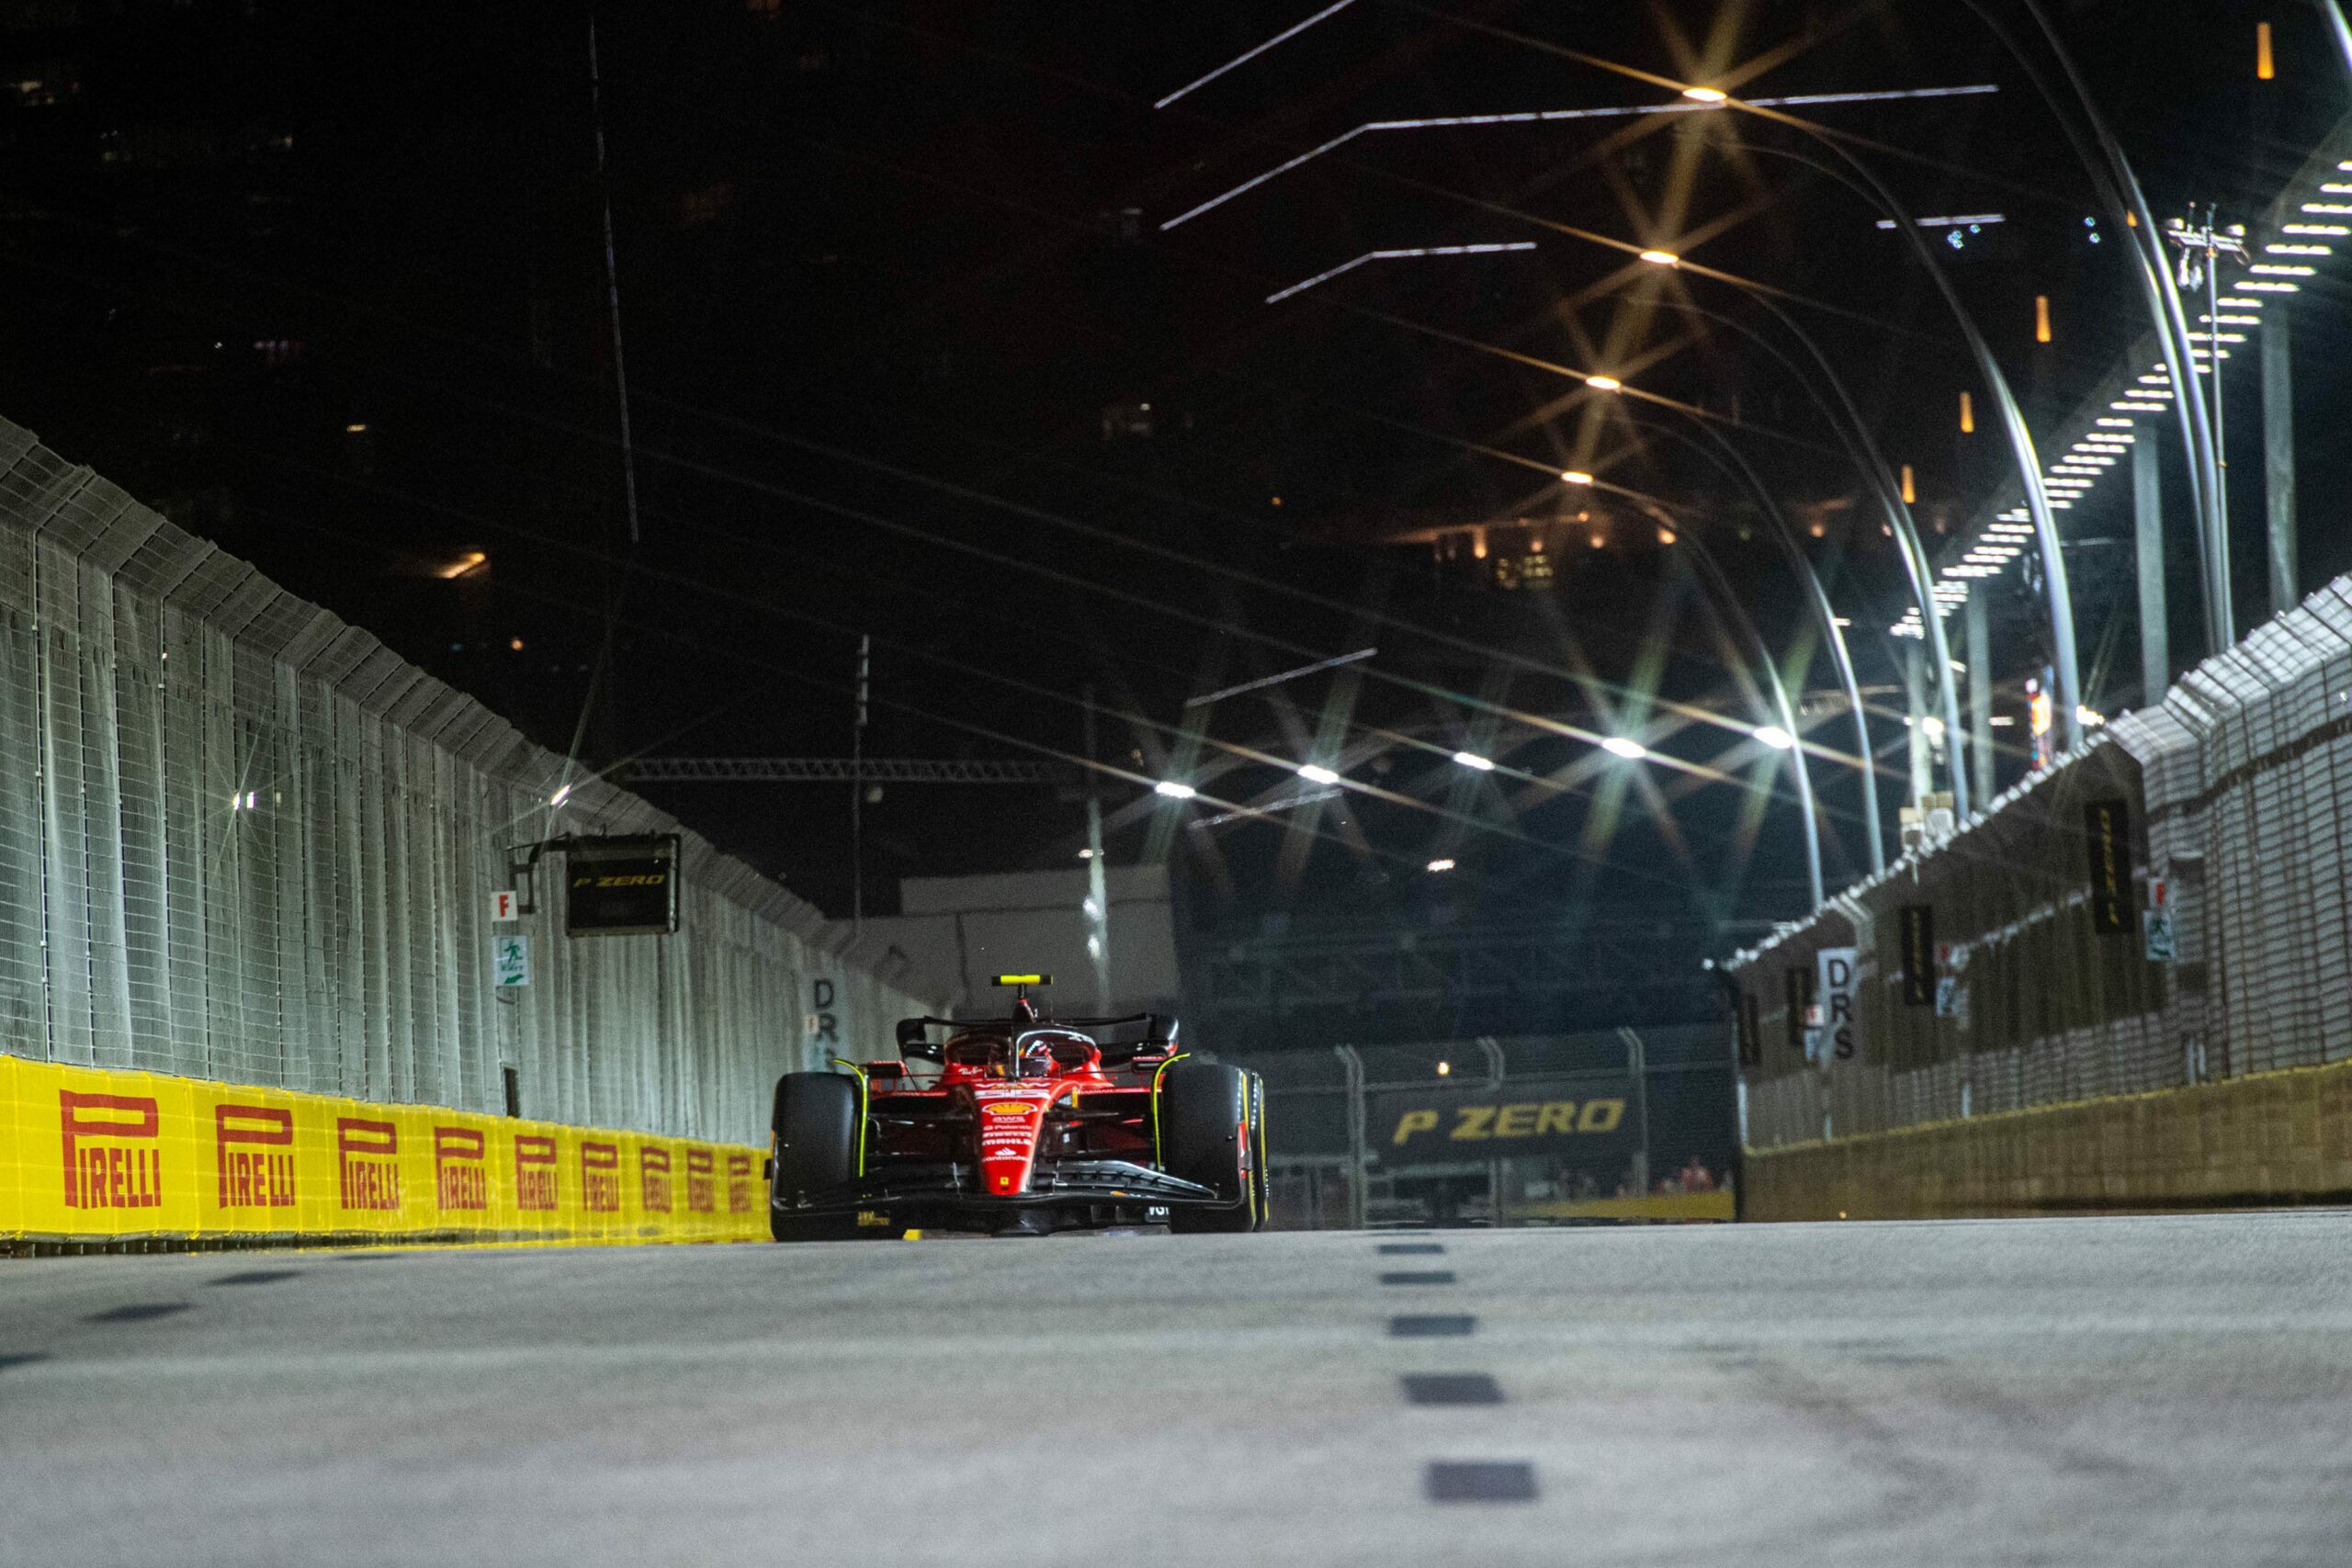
(1451,1388)
(1431,1325)
(1417,1277)
(138,1312)
(1411,1248)
(1480,1481)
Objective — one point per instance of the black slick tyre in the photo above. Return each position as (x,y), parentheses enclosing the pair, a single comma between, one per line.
(1204,1136)
(816,1128)
(1262,1183)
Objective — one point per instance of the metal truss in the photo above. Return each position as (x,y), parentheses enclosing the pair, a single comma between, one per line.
(840,770)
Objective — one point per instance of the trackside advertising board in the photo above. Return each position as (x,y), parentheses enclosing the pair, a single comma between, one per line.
(87,1154)
(1580,1116)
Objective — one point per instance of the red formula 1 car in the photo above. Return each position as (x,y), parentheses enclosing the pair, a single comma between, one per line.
(1022,1125)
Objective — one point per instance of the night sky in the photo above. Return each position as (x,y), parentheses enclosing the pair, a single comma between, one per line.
(909,354)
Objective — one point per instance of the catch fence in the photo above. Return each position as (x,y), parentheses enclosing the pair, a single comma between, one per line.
(2161,908)
(242,840)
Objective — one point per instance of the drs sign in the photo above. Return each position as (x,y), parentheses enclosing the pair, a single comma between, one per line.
(1838,988)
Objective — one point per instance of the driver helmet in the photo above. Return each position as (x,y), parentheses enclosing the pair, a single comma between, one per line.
(1037,1059)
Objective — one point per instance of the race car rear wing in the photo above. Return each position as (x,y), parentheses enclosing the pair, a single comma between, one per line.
(1156,1035)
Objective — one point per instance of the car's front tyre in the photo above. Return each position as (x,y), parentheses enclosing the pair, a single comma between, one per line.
(815,1121)
(1206,1136)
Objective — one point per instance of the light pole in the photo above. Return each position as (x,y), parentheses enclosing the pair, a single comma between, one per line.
(1734,463)
(1853,430)
(1711,571)
(1857,177)
(2103,160)
(2201,250)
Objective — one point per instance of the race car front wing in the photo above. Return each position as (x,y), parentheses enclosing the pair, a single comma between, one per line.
(1053,1183)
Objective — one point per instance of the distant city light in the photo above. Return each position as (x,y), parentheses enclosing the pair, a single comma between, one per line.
(560,796)
(1472,759)
(1173,790)
(1604,383)
(1443,1069)
(1440,866)
(1772,735)
(1626,747)
(1661,259)
(1705,94)
(1315,772)
(355,428)
(1576,477)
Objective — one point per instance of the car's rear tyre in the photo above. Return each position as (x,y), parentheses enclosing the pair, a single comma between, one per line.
(1261,1181)
(816,1149)
(1204,1136)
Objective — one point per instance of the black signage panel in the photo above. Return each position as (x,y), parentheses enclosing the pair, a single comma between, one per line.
(1919,934)
(1751,1030)
(1592,1116)
(2106,831)
(1800,979)
(621,887)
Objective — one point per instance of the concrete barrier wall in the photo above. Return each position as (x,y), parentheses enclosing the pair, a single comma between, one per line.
(2274,1138)
(244,842)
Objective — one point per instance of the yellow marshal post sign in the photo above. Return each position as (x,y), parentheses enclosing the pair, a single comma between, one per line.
(1586,1117)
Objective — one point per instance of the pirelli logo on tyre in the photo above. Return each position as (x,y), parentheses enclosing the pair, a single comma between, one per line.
(600,1177)
(368,1153)
(252,1152)
(702,1181)
(113,1150)
(535,1173)
(460,1169)
(653,1177)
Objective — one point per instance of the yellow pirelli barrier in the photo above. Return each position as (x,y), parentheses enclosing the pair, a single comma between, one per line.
(88,1155)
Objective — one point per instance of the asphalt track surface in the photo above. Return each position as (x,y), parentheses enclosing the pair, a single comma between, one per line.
(2066,1392)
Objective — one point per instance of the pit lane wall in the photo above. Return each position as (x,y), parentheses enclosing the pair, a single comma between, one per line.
(2047,1056)
(94,1157)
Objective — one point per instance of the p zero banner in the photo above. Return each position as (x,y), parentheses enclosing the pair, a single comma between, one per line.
(1583,1116)
(87,1154)
(2106,835)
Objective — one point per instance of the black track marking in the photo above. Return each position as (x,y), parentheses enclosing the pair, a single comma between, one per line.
(22,1358)
(1411,1248)
(1451,1388)
(1431,1325)
(138,1312)
(257,1276)
(1417,1277)
(1480,1481)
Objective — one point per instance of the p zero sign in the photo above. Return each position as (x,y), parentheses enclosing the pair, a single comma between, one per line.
(1555,1115)
(621,886)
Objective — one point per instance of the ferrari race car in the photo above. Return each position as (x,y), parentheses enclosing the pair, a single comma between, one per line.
(1022,1125)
